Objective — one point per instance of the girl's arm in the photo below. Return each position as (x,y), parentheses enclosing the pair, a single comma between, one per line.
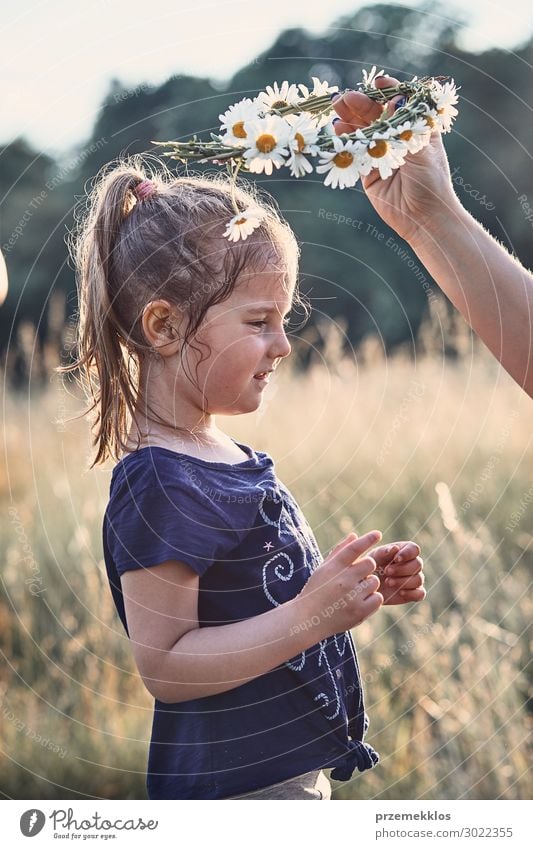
(178,660)
(211,660)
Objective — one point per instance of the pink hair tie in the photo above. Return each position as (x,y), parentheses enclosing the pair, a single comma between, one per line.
(144,189)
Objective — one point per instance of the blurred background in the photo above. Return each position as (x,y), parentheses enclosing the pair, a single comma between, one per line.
(389,413)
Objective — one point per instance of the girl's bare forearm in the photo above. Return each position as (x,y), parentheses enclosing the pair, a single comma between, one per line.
(211,660)
(491,289)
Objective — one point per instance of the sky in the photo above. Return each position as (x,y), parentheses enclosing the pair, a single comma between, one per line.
(58,56)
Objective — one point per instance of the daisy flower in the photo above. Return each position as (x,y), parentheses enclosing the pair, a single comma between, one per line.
(276,98)
(303,137)
(233,122)
(445,97)
(414,134)
(244,223)
(267,139)
(319,89)
(343,165)
(370,76)
(431,117)
(382,152)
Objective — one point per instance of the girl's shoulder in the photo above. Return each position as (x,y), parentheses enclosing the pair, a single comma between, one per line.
(159,467)
(155,482)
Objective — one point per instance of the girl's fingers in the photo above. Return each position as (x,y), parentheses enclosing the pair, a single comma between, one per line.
(352,550)
(412,567)
(412,582)
(384,553)
(369,585)
(346,541)
(413,595)
(408,550)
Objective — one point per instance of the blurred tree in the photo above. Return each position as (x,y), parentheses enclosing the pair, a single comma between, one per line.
(356,269)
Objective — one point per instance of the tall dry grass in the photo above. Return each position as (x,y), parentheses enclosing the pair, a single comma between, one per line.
(439,451)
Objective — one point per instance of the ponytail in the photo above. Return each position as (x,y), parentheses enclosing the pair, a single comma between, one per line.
(108,370)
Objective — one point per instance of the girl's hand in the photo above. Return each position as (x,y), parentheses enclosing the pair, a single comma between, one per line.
(399,569)
(343,590)
(418,192)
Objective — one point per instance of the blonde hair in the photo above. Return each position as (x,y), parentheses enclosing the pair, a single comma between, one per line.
(170,245)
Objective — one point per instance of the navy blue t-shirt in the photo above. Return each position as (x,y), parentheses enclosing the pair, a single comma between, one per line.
(242,532)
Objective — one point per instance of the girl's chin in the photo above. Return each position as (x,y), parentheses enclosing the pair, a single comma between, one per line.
(238,408)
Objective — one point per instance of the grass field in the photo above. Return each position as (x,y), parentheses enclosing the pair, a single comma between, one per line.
(421,448)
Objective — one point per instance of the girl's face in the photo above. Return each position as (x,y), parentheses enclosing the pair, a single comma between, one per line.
(246,337)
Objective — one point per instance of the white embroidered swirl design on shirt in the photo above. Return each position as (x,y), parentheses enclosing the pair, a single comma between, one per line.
(284,570)
(322,656)
(288,565)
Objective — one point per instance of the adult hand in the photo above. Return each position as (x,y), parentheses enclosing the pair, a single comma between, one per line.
(417,192)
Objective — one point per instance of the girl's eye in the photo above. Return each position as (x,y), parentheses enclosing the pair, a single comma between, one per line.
(286,322)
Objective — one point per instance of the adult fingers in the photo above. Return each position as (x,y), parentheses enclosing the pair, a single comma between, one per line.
(386,82)
(344,127)
(356,108)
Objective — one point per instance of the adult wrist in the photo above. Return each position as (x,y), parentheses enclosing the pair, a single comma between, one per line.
(446,220)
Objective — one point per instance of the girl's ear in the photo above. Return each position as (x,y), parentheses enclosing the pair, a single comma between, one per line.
(160,322)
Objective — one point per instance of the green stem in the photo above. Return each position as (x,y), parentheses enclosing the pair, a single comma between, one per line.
(233,179)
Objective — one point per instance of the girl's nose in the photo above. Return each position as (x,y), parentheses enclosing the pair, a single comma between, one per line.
(280,346)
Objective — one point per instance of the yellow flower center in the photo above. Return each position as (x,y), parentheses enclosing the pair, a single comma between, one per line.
(265,143)
(407,135)
(241,221)
(279,104)
(379,149)
(300,141)
(440,111)
(238,130)
(429,121)
(343,159)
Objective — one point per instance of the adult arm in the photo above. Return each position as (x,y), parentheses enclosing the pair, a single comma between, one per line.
(492,290)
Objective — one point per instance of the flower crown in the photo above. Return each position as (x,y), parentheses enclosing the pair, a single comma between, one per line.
(288,125)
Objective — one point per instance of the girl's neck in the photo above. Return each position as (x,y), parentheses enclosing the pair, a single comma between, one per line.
(203,438)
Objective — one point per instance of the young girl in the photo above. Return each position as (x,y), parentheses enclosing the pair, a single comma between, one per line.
(238,635)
